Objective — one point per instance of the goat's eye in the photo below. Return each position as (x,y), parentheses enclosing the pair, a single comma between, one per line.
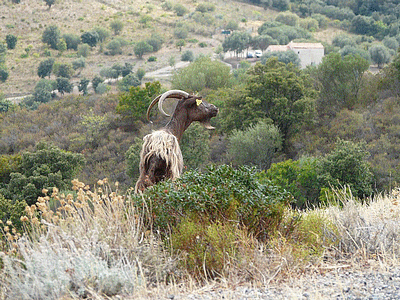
(199,101)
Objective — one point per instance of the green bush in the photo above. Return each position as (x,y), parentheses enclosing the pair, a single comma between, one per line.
(300,178)
(219,194)
(46,167)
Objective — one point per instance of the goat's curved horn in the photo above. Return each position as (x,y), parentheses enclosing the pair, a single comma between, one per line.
(160,99)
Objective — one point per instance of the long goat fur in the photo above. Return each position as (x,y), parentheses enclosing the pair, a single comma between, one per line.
(164,145)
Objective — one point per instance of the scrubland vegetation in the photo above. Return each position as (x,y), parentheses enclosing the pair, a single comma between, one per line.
(301,172)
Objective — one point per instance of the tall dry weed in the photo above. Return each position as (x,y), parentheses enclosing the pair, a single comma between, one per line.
(92,243)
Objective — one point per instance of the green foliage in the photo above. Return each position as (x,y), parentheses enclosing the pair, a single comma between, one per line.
(103,33)
(3,74)
(46,167)
(300,178)
(96,80)
(205,7)
(11,41)
(50,2)
(203,73)
(208,248)
(79,63)
(128,81)
(347,165)
(283,33)
(115,46)
(65,70)
(255,146)
(194,146)
(181,32)
(288,18)
(221,193)
(286,57)
(284,94)
(90,37)
(11,211)
(43,91)
(51,36)
(132,158)
(132,106)
(237,42)
(155,41)
(63,85)
(180,10)
(45,68)
(72,40)
(380,55)
(140,73)
(61,45)
(339,81)
(83,85)
(180,43)
(117,26)
(83,50)
(187,56)
(141,48)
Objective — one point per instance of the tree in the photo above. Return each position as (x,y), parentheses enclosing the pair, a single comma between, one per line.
(195,147)
(63,85)
(156,41)
(43,91)
(90,37)
(79,63)
(51,36)
(180,10)
(379,55)
(285,95)
(103,33)
(203,73)
(46,167)
(3,74)
(237,42)
(347,165)
(181,32)
(187,56)
(128,81)
(117,26)
(132,106)
(96,81)
(11,41)
(61,45)
(63,70)
(262,42)
(180,43)
(50,2)
(339,81)
(140,73)
(72,40)
(255,146)
(141,48)
(83,85)
(83,50)
(286,57)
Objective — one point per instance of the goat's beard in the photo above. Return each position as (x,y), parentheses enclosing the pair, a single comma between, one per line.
(207,124)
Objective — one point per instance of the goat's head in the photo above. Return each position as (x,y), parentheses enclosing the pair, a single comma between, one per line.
(189,108)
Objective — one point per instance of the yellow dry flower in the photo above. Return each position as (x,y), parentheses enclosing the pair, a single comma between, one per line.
(6,229)
(41,200)
(9,223)
(14,231)
(100,182)
(24,218)
(45,191)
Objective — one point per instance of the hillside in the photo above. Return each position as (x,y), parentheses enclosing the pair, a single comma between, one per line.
(28,20)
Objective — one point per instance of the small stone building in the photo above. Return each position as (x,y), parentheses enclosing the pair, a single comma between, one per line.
(309,53)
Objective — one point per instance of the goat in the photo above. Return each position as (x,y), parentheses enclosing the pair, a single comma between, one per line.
(161,157)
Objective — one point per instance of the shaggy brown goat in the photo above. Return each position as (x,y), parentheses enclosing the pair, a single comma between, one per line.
(161,156)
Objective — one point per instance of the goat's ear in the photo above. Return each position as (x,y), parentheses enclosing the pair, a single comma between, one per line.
(199,101)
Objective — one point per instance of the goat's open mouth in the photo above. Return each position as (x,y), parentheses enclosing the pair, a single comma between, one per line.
(207,124)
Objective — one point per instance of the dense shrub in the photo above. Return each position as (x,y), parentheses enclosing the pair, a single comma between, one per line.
(219,194)
(46,167)
(209,214)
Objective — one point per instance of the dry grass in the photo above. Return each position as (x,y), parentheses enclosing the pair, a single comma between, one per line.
(94,244)
(28,20)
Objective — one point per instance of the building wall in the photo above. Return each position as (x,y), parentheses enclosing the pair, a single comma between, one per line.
(309,56)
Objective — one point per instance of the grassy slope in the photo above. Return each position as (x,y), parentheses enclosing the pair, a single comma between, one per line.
(28,20)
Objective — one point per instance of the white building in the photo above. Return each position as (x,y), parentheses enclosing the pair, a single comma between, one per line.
(309,53)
